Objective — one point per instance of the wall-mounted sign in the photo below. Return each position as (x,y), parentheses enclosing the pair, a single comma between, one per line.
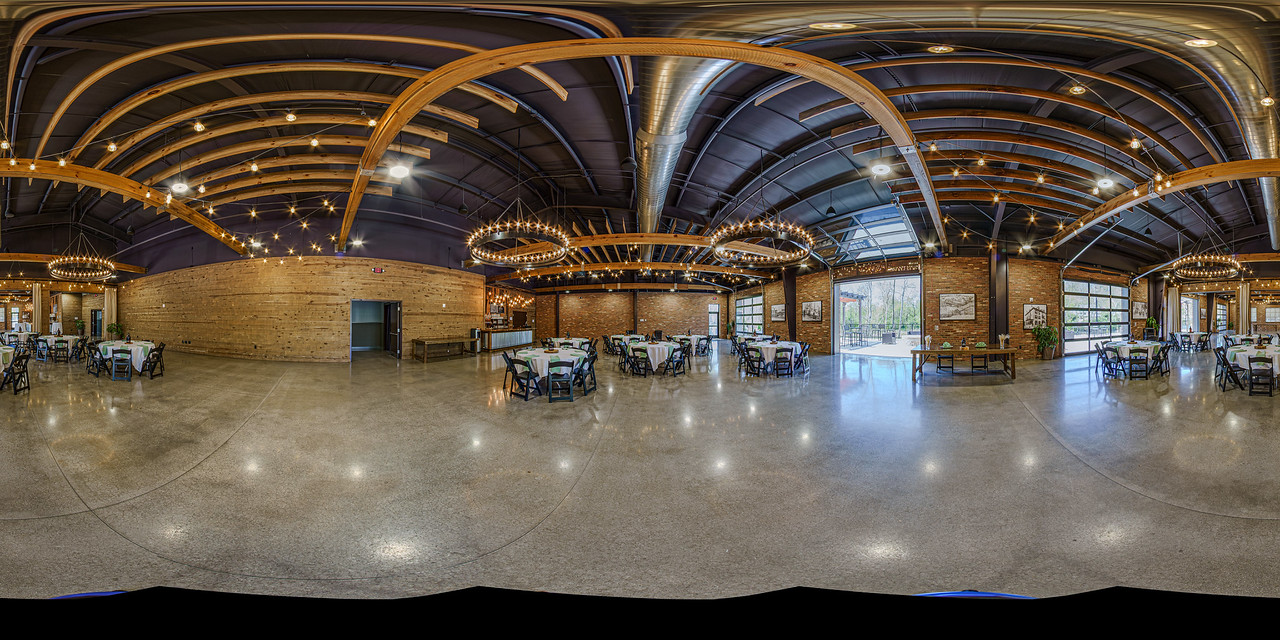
(378,269)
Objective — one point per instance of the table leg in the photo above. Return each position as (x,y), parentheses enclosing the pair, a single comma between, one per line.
(1013,366)
(913,368)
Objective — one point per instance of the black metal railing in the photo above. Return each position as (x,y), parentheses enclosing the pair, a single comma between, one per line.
(865,335)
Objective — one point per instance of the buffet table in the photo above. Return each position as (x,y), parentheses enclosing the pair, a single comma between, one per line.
(919,356)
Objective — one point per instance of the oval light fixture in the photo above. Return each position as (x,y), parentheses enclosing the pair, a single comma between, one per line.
(1268,101)
(880,169)
(180,187)
(832,26)
(940,48)
(398,171)
(1106,183)
(1077,90)
(1201,43)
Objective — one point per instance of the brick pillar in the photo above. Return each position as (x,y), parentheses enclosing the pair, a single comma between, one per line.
(789,298)
(998,296)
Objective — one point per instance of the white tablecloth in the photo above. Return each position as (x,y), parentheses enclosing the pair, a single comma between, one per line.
(769,349)
(49,340)
(1241,355)
(22,335)
(1236,339)
(6,356)
(658,352)
(1123,347)
(693,338)
(1195,335)
(139,349)
(572,343)
(539,360)
(627,337)
(55,327)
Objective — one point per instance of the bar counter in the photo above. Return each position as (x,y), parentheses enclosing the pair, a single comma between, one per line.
(493,339)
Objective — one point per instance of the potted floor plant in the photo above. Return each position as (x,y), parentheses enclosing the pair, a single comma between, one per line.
(79,327)
(115,329)
(1046,341)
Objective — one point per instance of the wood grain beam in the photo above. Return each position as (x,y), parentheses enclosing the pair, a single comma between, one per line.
(164,88)
(190,115)
(293,187)
(628,266)
(265,178)
(252,146)
(437,83)
(257,123)
(130,190)
(1191,178)
(1073,70)
(629,286)
(46,257)
(124,61)
(1102,110)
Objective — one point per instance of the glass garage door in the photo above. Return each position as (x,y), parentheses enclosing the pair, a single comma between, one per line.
(1093,313)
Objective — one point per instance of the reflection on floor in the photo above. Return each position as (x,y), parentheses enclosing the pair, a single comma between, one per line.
(900,349)
(385,478)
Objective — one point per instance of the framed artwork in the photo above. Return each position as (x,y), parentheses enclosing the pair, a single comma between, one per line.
(1034,315)
(1139,310)
(957,306)
(811,311)
(778,313)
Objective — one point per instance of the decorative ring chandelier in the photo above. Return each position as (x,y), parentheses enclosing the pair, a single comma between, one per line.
(783,233)
(1206,267)
(482,241)
(81,263)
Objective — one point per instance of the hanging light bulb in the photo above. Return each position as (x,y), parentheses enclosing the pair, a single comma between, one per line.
(955,172)
(1040,178)
(253,213)
(199,126)
(1268,101)
(200,188)
(373,122)
(982,162)
(1077,90)
(13,161)
(111,146)
(933,146)
(995,198)
(315,142)
(1159,176)
(4,144)
(293,210)
(253,166)
(62,162)
(289,116)
(1135,144)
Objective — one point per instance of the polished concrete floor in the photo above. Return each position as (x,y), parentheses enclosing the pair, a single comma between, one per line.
(385,478)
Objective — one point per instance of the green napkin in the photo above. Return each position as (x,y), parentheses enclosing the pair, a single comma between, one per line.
(979,345)
(946,345)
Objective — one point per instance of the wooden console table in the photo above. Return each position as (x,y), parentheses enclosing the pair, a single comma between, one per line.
(419,345)
(921,356)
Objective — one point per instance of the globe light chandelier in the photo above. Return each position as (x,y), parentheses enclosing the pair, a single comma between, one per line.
(80,262)
(1205,266)
(791,244)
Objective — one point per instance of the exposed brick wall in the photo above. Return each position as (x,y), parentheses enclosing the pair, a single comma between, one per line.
(591,315)
(1032,282)
(544,316)
(956,275)
(70,308)
(774,293)
(811,287)
(1138,293)
(678,312)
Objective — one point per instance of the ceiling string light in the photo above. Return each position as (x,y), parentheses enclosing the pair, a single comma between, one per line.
(81,263)
(1205,266)
(785,233)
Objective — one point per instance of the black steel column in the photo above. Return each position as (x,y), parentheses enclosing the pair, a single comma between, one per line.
(998,297)
(789,298)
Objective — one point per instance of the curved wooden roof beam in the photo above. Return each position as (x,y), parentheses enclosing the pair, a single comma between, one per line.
(627,266)
(142,97)
(1073,70)
(124,61)
(241,169)
(197,111)
(46,257)
(1032,93)
(1200,176)
(1010,192)
(89,177)
(261,179)
(262,123)
(293,187)
(272,143)
(1022,118)
(438,82)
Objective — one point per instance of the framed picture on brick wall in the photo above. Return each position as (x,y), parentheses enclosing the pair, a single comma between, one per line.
(811,311)
(1035,315)
(778,313)
(957,306)
(1139,310)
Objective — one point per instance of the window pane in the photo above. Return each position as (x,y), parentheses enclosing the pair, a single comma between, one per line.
(1120,330)
(1079,302)
(1075,316)
(1119,316)
(1099,289)
(1119,303)
(1072,332)
(1100,316)
(1073,286)
(1099,331)
(1099,303)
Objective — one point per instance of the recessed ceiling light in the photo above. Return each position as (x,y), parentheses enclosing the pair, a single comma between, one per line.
(941,48)
(1201,43)
(878,169)
(832,26)
(1106,183)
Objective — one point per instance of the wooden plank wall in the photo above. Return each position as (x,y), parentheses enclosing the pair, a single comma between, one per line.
(298,311)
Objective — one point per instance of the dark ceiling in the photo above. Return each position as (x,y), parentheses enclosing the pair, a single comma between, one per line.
(758,142)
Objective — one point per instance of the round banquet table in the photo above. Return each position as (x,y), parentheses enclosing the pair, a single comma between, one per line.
(693,338)
(1241,355)
(628,337)
(1122,347)
(1255,337)
(6,355)
(1195,335)
(139,348)
(539,360)
(572,343)
(49,340)
(658,351)
(22,335)
(770,349)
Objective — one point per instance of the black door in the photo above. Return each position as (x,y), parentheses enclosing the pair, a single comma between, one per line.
(391,320)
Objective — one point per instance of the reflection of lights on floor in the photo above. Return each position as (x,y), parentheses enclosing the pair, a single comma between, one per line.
(397,551)
(884,551)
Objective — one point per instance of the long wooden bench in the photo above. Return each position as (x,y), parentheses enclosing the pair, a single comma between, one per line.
(421,346)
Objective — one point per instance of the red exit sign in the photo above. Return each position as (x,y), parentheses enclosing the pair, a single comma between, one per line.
(378,269)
